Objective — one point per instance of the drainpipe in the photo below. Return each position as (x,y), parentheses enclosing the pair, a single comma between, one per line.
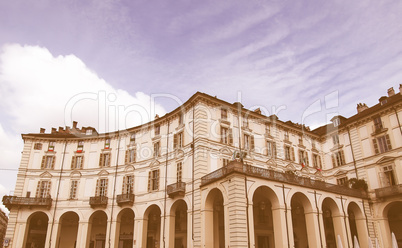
(286,215)
(192,179)
(114,190)
(344,220)
(166,167)
(247,217)
(318,217)
(58,191)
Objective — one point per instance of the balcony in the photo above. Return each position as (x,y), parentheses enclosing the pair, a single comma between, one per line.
(389,191)
(98,201)
(248,170)
(176,189)
(125,199)
(14,201)
(378,128)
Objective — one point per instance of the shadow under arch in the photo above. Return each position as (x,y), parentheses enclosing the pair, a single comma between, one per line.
(357,224)
(214,219)
(36,230)
(125,228)
(152,227)
(68,230)
(304,234)
(97,229)
(392,213)
(332,222)
(178,224)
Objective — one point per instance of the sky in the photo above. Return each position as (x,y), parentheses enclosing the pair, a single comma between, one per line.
(114,64)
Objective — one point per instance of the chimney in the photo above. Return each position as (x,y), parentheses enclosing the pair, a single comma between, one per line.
(361,107)
(400,89)
(75,124)
(391,92)
(61,130)
(258,111)
(42,130)
(156,116)
(54,130)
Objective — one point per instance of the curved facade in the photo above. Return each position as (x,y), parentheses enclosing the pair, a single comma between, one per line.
(212,174)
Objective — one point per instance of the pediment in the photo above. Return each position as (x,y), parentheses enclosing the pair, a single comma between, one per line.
(290,166)
(45,174)
(103,173)
(305,170)
(75,174)
(340,173)
(385,159)
(271,163)
(155,163)
(225,150)
(129,168)
(179,153)
(318,173)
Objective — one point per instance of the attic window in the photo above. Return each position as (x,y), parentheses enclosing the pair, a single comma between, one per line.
(88,132)
(336,122)
(383,102)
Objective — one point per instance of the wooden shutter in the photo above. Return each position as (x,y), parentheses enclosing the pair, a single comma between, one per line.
(73,161)
(38,190)
(101,160)
(342,157)
(82,162)
(307,162)
(97,187)
(252,142)
(149,180)
(274,149)
(230,136)
(49,186)
(53,161)
(175,141)
(42,166)
(123,190)
(333,160)
(157,180)
(106,186)
(108,161)
(375,146)
(292,153)
(388,142)
(127,156)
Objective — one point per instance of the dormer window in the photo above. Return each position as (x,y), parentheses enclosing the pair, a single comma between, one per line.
(157,130)
(107,143)
(51,146)
(336,122)
(88,132)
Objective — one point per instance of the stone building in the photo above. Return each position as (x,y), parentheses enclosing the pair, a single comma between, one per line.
(3,225)
(213,174)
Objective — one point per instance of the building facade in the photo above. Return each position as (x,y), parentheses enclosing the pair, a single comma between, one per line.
(213,174)
(3,225)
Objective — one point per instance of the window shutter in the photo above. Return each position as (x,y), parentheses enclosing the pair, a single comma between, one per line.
(101,160)
(252,142)
(307,161)
(38,190)
(230,136)
(221,134)
(157,180)
(73,161)
(175,142)
(108,161)
(49,185)
(266,152)
(123,190)
(292,151)
(388,142)
(342,157)
(53,161)
(97,188)
(375,146)
(149,180)
(127,156)
(274,149)
(82,162)
(42,166)
(106,186)
(333,160)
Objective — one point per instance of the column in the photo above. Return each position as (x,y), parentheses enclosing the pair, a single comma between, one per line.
(280,232)
(170,231)
(313,229)
(111,234)
(48,235)
(290,235)
(56,230)
(385,235)
(362,231)
(21,235)
(140,232)
(251,230)
(82,235)
(207,229)
(339,227)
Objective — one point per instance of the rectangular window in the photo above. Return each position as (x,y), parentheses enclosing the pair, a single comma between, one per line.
(156,149)
(300,140)
(245,121)
(73,189)
(179,171)
(248,141)
(51,147)
(43,189)
(303,158)
(181,118)
(268,129)
(224,114)
(157,130)
(132,139)
(226,136)
(178,140)
(389,179)
(378,123)
(343,181)
(104,160)
(317,161)
(80,146)
(338,158)
(38,146)
(107,143)
(286,135)
(153,180)
(335,139)
(77,162)
(130,156)
(271,149)
(128,184)
(225,162)
(48,162)
(289,153)
(88,132)
(101,187)
(382,144)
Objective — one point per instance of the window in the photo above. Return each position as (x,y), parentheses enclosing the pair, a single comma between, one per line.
(130,156)
(178,140)
(289,153)
(107,143)
(248,141)
(77,162)
(153,180)
(389,179)
(51,147)
(382,144)
(132,139)
(335,139)
(336,122)
(225,162)
(343,181)
(88,132)
(224,114)
(181,118)
(271,149)
(73,189)
(43,189)
(48,162)
(286,135)
(303,158)
(156,149)
(300,140)
(128,185)
(101,187)
(268,129)
(317,161)
(80,146)
(338,158)
(104,160)
(313,144)
(245,121)
(377,123)
(179,171)
(38,146)
(226,136)
(157,130)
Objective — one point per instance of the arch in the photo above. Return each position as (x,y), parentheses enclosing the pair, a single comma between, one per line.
(125,228)
(304,232)
(357,224)
(392,213)
(152,227)
(214,219)
(36,230)
(178,224)
(68,230)
(332,222)
(97,229)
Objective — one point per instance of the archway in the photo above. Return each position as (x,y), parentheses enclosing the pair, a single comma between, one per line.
(36,230)
(68,229)
(303,234)
(97,230)
(178,225)
(214,220)
(357,224)
(125,228)
(152,225)
(395,221)
(332,222)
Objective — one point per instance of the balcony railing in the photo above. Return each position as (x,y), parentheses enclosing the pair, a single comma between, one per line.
(389,191)
(236,167)
(176,189)
(125,199)
(12,201)
(98,201)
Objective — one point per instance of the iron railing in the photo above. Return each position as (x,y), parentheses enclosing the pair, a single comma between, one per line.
(125,199)
(10,201)
(280,177)
(98,201)
(388,191)
(178,188)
